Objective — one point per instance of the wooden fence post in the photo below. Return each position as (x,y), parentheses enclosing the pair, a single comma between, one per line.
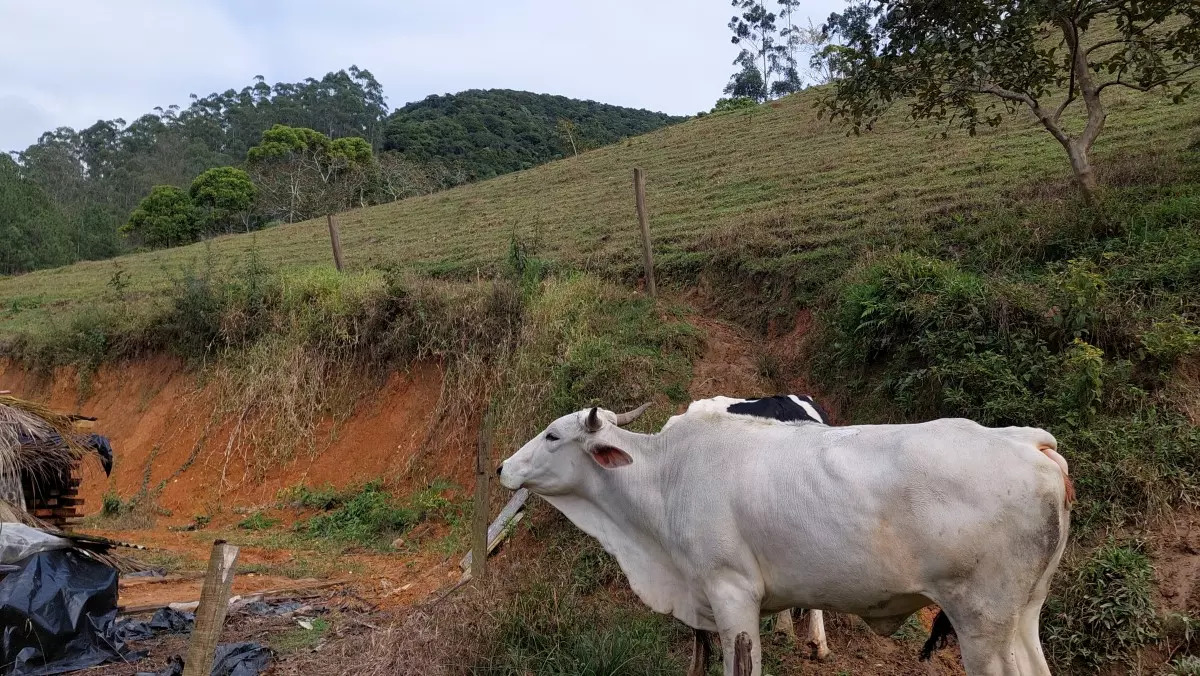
(639,193)
(479,547)
(336,238)
(210,615)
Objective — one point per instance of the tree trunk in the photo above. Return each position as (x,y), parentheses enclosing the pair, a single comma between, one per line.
(1085,177)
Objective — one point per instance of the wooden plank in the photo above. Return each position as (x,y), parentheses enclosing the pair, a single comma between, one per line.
(498,528)
(639,194)
(210,614)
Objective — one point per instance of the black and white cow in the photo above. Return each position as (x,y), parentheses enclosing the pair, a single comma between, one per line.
(791,409)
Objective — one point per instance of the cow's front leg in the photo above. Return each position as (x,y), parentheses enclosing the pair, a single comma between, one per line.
(737,610)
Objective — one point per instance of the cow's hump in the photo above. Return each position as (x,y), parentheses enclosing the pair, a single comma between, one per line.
(790,408)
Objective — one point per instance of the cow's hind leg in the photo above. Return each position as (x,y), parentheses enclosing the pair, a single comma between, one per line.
(988,640)
(784,624)
(816,636)
(701,653)
(1034,659)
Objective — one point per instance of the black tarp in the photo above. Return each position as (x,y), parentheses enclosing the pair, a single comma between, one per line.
(165,620)
(231,659)
(57,614)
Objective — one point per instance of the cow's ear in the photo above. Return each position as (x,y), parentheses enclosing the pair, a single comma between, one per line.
(610,457)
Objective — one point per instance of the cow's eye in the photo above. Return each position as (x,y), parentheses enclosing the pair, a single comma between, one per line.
(551,436)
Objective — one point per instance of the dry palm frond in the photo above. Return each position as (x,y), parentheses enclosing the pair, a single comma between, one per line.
(35,441)
(90,546)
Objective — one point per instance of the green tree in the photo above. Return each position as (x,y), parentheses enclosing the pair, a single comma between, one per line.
(967,62)
(302,173)
(747,83)
(478,134)
(754,29)
(33,232)
(223,197)
(165,217)
(786,63)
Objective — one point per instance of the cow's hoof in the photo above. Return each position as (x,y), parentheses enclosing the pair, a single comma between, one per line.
(822,655)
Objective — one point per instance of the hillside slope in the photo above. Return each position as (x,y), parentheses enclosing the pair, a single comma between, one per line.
(775,170)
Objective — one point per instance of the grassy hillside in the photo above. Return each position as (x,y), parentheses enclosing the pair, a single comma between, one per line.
(791,182)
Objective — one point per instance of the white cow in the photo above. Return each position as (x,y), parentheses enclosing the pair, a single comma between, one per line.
(716,520)
(792,409)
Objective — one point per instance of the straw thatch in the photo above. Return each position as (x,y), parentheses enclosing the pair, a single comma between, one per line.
(35,442)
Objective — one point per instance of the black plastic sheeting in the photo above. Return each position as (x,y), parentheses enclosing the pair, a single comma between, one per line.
(57,614)
(232,659)
(269,608)
(166,620)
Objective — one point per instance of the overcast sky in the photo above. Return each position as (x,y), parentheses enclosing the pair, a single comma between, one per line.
(72,62)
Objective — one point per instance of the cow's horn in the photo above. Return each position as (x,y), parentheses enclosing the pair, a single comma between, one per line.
(629,416)
(592,424)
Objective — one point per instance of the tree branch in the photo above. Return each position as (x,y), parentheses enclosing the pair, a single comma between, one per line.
(1047,121)
(1064,105)
(1147,87)
(1087,86)
(1104,43)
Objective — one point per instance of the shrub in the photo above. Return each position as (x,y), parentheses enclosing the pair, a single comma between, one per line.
(257,521)
(368,518)
(1106,611)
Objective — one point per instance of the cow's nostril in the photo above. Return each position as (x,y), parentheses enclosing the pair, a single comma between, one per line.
(500,469)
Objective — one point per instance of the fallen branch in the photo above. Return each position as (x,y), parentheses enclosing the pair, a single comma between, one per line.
(139,581)
(235,602)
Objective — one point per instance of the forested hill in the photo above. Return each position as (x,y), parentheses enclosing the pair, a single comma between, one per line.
(64,198)
(491,132)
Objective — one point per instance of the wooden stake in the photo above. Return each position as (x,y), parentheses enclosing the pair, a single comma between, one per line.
(336,238)
(479,547)
(639,194)
(210,615)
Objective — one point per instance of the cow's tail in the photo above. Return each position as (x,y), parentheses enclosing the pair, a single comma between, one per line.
(939,634)
(1048,445)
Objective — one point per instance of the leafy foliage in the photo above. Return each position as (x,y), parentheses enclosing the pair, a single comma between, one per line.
(368,517)
(1060,344)
(224,197)
(477,134)
(33,230)
(761,57)
(1106,612)
(303,173)
(165,217)
(943,57)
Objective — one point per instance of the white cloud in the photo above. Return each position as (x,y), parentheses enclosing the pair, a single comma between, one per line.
(83,61)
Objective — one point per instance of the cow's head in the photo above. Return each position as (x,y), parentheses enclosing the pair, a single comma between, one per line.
(553,462)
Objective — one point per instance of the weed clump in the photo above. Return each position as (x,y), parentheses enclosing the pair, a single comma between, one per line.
(1105,611)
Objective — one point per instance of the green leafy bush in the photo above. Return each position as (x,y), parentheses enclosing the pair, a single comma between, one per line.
(1106,612)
